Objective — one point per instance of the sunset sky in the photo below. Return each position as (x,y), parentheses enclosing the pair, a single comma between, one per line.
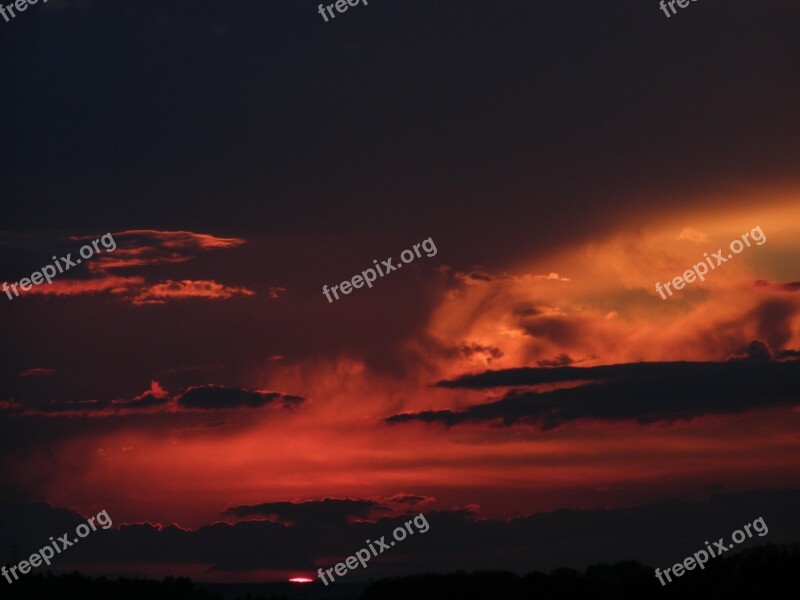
(526,388)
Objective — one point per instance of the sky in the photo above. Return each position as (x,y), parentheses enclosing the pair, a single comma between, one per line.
(521,381)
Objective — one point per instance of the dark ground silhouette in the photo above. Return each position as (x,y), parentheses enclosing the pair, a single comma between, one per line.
(78,587)
(766,572)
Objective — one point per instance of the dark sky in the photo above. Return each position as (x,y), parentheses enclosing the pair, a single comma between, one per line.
(258,118)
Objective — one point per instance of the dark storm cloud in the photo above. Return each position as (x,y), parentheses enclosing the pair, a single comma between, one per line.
(491,352)
(527,310)
(148,399)
(457,539)
(322,511)
(212,397)
(195,398)
(559,330)
(644,392)
(562,360)
(773,319)
(410,499)
(480,276)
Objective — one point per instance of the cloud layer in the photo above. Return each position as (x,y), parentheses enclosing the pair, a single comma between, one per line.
(643,392)
(320,536)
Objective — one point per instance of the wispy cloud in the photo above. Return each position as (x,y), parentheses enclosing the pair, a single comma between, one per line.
(159,293)
(157,399)
(76,287)
(37,372)
(143,248)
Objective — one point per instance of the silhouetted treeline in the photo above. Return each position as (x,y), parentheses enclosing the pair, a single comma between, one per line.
(78,587)
(767,572)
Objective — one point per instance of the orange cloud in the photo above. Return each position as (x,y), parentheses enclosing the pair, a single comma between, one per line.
(603,307)
(75,287)
(143,247)
(172,290)
(693,236)
(197,398)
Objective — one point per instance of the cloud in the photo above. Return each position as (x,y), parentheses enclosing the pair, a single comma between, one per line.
(790,286)
(488,353)
(330,510)
(642,392)
(562,360)
(137,291)
(157,399)
(327,511)
(552,276)
(456,538)
(140,248)
(37,372)
(692,235)
(144,247)
(558,329)
(76,287)
(155,396)
(773,320)
(174,290)
(478,276)
(756,350)
(410,499)
(215,397)
(609,311)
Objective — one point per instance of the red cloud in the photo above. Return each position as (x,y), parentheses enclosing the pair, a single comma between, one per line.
(37,372)
(171,290)
(142,247)
(74,287)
